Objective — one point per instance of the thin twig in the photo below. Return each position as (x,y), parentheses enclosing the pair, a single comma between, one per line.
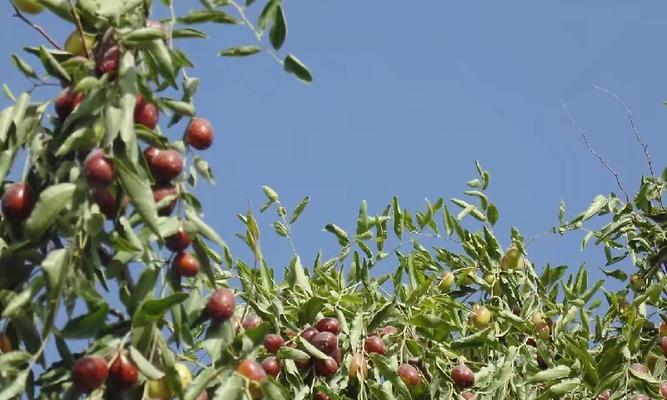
(634,127)
(19,14)
(79,28)
(258,34)
(594,153)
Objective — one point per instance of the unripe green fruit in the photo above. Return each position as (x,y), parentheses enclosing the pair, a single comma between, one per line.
(512,259)
(447,281)
(481,316)
(29,6)
(74,44)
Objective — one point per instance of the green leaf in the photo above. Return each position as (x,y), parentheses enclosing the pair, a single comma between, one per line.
(558,372)
(146,367)
(52,66)
(279,29)
(299,209)
(24,67)
(198,17)
(204,229)
(140,193)
(232,388)
(240,51)
(51,202)
(153,310)
(188,33)
(294,66)
(16,387)
(86,325)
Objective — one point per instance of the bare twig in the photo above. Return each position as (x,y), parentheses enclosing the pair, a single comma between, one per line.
(634,127)
(79,28)
(594,153)
(18,14)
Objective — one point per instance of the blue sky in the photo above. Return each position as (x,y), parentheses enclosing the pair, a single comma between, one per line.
(405,99)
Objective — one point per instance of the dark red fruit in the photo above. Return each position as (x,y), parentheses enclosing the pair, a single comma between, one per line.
(199,134)
(373,344)
(337,355)
(161,192)
(17,202)
(463,376)
(221,305)
(89,373)
(251,321)
(326,368)
(108,204)
(273,343)
(309,334)
(408,374)
(185,264)
(99,170)
(271,366)
(108,61)
(166,165)
(468,396)
(202,396)
(123,374)
(66,102)
(605,395)
(150,152)
(663,345)
(179,241)
(251,370)
(328,325)
(326,342)
(320,396)
(663,390)
(146,113)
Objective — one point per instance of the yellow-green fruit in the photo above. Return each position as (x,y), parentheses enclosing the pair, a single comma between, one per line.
(447,281)
(74,44)
(511,259)
(481,316)
(636,282)
(159,390)
(537,319)
(184,374)
(544,331)
(29,6)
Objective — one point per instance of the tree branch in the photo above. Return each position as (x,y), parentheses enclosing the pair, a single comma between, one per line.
(18,14)
(644,146)
(594,153)
(79,28)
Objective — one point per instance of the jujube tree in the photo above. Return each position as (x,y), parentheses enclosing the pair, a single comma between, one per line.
(102,239)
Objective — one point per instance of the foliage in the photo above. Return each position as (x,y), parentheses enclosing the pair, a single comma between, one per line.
(78,267)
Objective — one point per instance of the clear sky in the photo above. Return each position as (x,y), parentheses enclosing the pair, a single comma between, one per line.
(406,98)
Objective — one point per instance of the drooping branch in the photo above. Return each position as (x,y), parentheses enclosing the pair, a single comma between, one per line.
(644,146)
(596,154)
(18,14)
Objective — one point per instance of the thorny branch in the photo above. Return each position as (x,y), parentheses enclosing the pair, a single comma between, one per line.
(18,14)
(594,153)
(634,127)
